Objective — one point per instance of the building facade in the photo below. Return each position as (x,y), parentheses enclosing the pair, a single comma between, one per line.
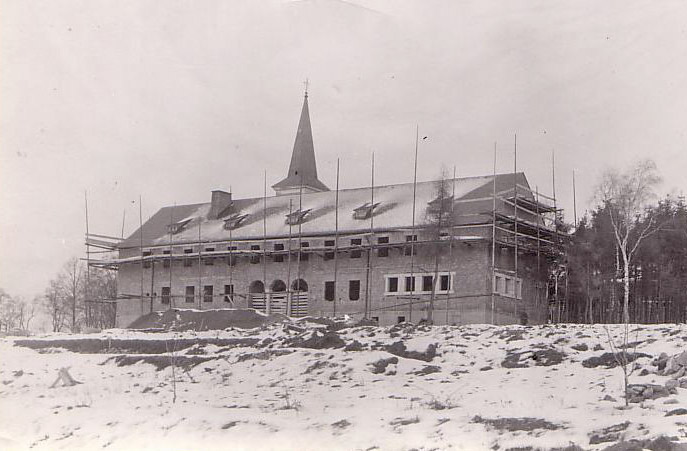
(455,251)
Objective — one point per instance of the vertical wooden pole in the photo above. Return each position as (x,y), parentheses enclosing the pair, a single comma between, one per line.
(412,232)
(171,257)
(493,242)
(450,243)
(515,227)
(88,267)
(336,237)
(140,230)
(200,265)
(370,239)
(264,233)
(574,200)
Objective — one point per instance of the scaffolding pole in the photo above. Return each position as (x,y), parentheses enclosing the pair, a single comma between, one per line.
(412,230)
(264,240)
(171,251)
(515,237)
(450,242)
(370,238)
(336,237)
(493,241)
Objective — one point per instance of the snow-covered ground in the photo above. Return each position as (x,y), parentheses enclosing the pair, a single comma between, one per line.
(484,387)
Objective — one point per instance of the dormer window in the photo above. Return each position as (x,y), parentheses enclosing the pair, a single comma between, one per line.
(234,221)
(297,217)
(178,226)
(365,210)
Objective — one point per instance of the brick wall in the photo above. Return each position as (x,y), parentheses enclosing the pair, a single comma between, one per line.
(470,301)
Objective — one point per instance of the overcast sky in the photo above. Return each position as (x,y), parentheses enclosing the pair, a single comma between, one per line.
(172,99)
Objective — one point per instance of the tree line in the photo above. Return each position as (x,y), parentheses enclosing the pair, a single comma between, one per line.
(75,299)
(626,260)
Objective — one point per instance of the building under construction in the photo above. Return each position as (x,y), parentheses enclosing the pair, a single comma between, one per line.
(452,251)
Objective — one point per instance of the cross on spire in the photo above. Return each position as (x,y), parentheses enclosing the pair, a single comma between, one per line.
(306,83)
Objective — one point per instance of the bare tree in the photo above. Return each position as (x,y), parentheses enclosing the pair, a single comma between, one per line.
(438,218)
(54,307)
(625,196)
(8,311)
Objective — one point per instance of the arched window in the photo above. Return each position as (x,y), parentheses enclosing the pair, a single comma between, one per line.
(299,285)
(256,287)
(278,286)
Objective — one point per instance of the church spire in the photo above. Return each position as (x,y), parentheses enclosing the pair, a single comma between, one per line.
(303,168)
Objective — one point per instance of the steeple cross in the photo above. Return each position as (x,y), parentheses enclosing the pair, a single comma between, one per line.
(306,83)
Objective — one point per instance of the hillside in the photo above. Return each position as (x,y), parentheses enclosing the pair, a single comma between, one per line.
(311,384)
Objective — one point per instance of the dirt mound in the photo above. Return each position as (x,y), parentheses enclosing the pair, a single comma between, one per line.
(199,320)
(135,346)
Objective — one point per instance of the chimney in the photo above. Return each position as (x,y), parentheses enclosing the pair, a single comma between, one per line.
(220,201)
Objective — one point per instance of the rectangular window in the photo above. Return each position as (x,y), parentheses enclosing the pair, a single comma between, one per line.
(165,295)
(188,261)
(497,284)
(383,250)
(167,262)
(354,290)
(304,251)
(356,253)
(209,261)
(231,259)
(392,285)
(409,249)
(427,283)
(190,294)
(329,255)
(207,293)
(518,289)
(445,282)
(410,284)
(509,286)
(255,257)
(329,290)
(229,293)
(146,263)
(401,319)
(278,256)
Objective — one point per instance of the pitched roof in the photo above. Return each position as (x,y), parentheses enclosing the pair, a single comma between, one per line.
(303,168)
(394,211)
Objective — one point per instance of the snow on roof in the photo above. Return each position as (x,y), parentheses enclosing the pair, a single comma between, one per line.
(394,212)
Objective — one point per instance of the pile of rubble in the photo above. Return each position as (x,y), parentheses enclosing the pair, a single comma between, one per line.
(674,366)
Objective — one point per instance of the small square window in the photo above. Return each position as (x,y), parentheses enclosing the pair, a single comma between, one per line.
(208,293)
(445,282)
(304,253)
(410,284)
(231,258)
(229,293)
(278,255)
(393,285)
(354,290)
(356,253)
(255,257)
(427,283)
(329,290)
(188,260)
(165,295)
(409,249)
(329,255)
(190,294)
(383,249)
